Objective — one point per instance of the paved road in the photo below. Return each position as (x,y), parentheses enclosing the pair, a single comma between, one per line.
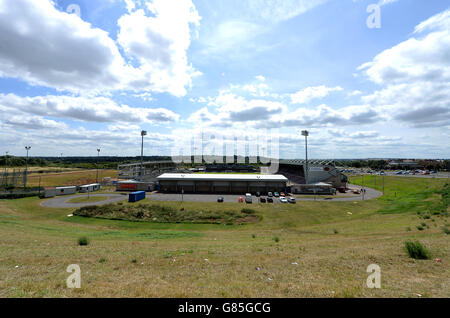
(370,194)
(61,201)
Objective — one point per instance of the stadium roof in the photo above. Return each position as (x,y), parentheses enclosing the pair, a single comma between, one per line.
(221,177)
(146,163)
(301,162)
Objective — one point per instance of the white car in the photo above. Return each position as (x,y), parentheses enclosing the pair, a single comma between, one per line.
(283,200)
(248,198)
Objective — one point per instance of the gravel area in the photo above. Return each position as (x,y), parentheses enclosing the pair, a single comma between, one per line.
(61,201)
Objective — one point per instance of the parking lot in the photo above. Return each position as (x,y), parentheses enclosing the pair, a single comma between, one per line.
(155,196)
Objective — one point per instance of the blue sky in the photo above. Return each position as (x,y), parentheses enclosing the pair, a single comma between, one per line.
(231,70)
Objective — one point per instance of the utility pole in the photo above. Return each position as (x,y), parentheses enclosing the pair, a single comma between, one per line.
(98,155)
(26,167)
(143,133)
(306,134)
(6,168)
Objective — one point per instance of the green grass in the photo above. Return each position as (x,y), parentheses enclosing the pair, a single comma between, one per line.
(85,199)
(294,245)
(168,214)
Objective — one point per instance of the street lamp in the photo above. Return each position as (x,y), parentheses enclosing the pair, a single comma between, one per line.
(26,166)
(143,133)
(98,155)
(306,134)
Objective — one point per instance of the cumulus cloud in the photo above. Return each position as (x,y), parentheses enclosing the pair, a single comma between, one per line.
(97,109)
(310,93)
(44,46)
(415,76)
(159,44)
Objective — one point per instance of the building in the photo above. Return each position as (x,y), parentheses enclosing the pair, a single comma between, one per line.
(319,171)
(221,183)
(134,185)
(90,187)
(51,192)
(150,170)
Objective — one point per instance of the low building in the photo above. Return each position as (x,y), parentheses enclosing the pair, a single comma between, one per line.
(66,190)
(317,188)
(90,187)
(221,183)
(134,185)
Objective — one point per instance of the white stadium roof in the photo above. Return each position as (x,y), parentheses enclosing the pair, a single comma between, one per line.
(221,177)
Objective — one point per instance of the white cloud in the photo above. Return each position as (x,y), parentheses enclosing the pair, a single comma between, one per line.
(159,44)
(415,76)
(47,47)
(98,109)
(310,93)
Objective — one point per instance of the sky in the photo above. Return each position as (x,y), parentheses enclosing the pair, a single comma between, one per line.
(366,78)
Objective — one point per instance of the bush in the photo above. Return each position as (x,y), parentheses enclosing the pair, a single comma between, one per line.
(416,250)
(82,241)
(102,260)
(253,236)
(134,261)
(248,211)
(335,231)
(420,227)
(276,239)
(446,230)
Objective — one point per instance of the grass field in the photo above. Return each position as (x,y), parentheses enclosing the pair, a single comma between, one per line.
(311,249)
(76,177)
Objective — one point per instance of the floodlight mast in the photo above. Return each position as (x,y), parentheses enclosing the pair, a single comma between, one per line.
(26,166)
(143,133)
(98,155)
(306,134)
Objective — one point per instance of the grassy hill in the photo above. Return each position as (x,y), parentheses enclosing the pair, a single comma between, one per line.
(310,249)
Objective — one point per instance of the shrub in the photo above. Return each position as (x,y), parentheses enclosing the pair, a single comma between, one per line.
(423,224)
(335,231)
(82,241)
(276,239)
(102,260)
(134,261)
(248,211)
(253,236)
(420,227)
(416,250)
(446,230)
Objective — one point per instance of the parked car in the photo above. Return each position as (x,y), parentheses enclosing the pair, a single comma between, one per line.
(258,194)
(269,194)
(282,194)
(220,199)
(269,199)
(276,194)
(262,199)
(283,200)
(240,199)
(291,200)
(248,198)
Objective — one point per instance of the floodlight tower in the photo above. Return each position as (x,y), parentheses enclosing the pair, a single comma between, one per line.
(98,155)
(143,133)
(306,134)
(26,166)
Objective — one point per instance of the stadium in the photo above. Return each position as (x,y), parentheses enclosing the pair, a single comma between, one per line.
(292,177)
